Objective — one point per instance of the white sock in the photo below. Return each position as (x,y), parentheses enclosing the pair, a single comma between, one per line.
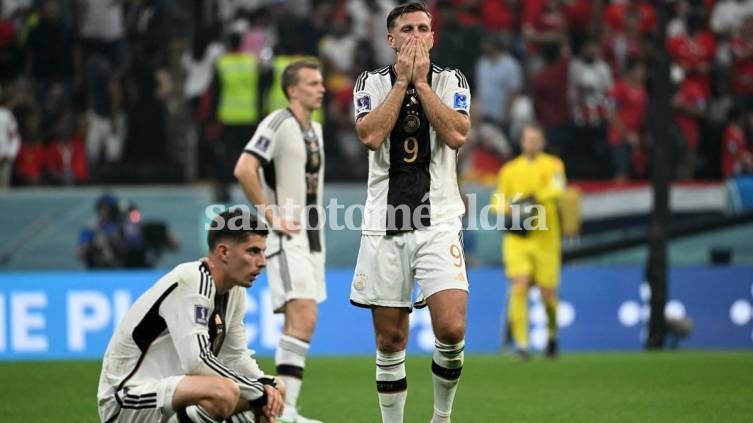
(447,363)
(290,359)
(392,385)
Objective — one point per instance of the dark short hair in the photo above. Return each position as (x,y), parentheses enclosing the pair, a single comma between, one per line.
(403,9)
(290,73)
(222,230)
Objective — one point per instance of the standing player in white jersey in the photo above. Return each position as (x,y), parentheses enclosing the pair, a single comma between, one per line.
(413,116)
(180,353)
(287,148)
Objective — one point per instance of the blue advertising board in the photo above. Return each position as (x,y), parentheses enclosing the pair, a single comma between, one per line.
(70,315)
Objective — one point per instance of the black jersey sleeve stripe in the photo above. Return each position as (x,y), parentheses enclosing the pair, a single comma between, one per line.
(462,82)
(211,361)
(218,367)
(140,407)
(361,82)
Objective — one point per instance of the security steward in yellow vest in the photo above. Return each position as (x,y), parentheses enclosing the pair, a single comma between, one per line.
(236,108)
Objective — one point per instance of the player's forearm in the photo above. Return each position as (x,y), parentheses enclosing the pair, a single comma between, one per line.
(197,359)
(374,128)
(451,126)
(251,186)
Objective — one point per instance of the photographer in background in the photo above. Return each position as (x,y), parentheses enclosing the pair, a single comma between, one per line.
(118,238)
(101,244)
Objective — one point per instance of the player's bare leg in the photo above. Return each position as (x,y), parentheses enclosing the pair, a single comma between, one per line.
(290,357)
(391,329)
(205,398)
(550,297)
(448,316)
(518,313)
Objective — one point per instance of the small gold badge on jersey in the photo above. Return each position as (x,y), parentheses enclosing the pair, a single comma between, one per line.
(411,123)
(201,314)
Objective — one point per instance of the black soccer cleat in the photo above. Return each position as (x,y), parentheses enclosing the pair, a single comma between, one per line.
(552,349)
(522,355)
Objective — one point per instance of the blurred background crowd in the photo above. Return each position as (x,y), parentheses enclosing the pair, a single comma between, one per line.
(130,91)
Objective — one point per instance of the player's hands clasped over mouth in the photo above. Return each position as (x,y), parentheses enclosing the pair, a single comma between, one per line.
(405,57)
(422,62)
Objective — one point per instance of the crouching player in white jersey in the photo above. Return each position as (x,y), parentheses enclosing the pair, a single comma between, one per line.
(180,353)
(413,116)
(281,172)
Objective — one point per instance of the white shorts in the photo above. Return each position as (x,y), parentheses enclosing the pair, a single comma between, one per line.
(388,265)
(295,273)
(148,402)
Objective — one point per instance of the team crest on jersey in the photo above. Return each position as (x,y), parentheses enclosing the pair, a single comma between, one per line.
(461,102)
(201,314)
(363,104)
(262,144)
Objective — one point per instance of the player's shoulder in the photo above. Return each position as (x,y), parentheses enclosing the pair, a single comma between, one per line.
(276,119)
(553,161)
(517,161)
(371,77)
(449,74)
(194,276)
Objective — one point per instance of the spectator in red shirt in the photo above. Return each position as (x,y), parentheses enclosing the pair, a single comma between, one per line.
(694,52)
(499,15)
(690,107)
(543,21)
(549,94)
(627,116)
(614,15)
(624,46)
(742,66)
(65,155)
(736,156)
(579,15)
(30,160)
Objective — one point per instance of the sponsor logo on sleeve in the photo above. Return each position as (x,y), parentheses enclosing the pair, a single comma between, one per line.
(262,144)
(363,104)
(461,102)
(201,314)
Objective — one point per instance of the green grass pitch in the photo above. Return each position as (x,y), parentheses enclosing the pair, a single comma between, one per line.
(614,387)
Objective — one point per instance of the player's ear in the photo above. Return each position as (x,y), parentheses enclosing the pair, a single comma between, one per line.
(223,250)
(391,40)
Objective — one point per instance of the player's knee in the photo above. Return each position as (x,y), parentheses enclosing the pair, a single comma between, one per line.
(451,333)
(224,397)
(548,294)
(519,288)
(391,340)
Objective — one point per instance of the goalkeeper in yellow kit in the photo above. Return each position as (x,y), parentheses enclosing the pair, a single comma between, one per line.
(533,182)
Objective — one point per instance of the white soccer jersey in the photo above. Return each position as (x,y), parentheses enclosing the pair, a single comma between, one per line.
(412,171)
(179,326)
(292,171)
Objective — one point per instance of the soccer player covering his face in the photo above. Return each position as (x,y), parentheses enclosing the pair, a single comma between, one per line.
(413,117)
(181,354)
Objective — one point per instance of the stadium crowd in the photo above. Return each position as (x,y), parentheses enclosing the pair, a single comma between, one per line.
(104,91)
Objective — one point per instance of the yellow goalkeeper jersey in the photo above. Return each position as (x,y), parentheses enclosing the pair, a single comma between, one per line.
(543,179)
